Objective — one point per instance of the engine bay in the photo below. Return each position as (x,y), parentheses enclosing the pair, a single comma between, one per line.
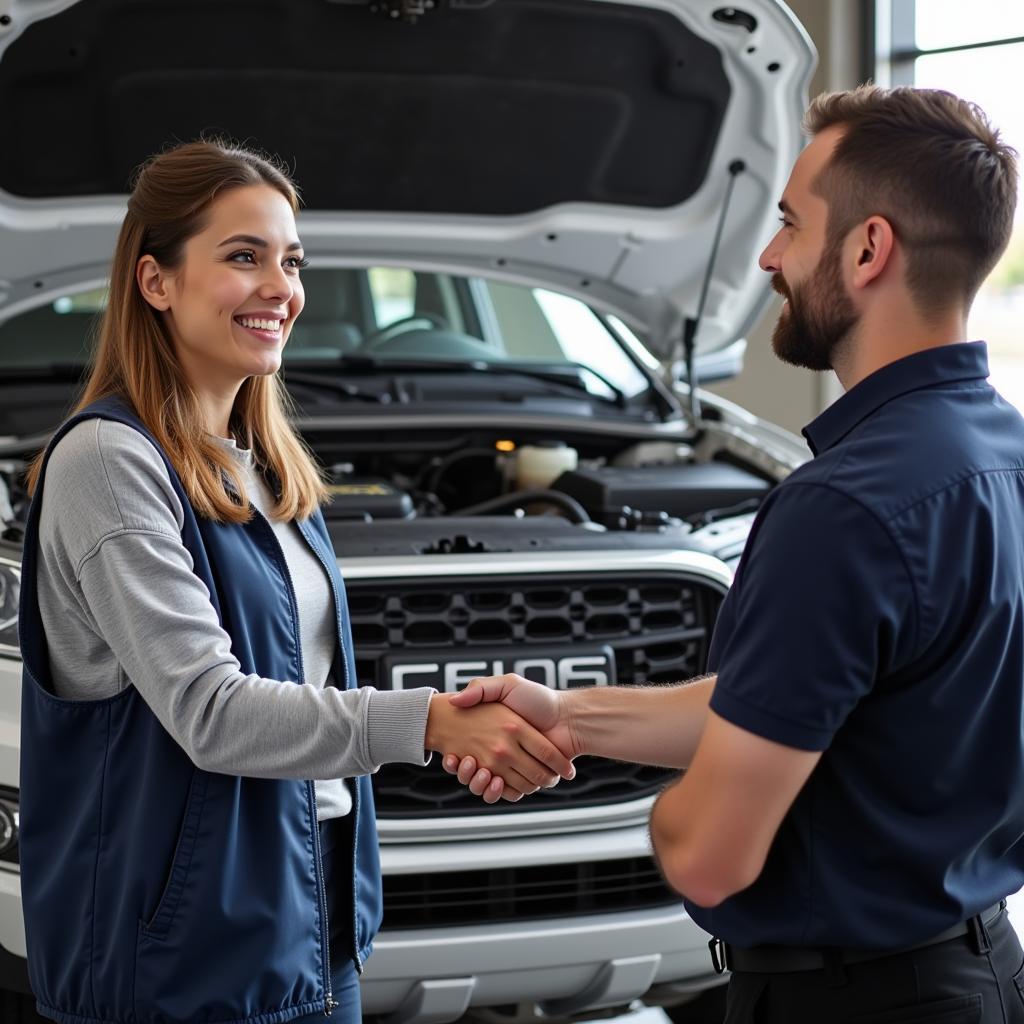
(464,493)
(489,493)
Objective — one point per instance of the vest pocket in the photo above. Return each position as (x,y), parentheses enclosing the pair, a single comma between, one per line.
(159,922)
(235,934)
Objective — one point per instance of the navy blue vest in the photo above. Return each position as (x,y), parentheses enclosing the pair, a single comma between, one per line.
(154,891)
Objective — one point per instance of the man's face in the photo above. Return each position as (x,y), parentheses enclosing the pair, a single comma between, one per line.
(806,268)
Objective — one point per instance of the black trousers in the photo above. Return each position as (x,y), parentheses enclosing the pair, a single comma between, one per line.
(954,982)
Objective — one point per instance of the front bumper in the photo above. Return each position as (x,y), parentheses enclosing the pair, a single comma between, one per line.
(563,967)
(560,965)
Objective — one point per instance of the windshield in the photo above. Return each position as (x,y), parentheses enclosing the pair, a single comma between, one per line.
(389,313)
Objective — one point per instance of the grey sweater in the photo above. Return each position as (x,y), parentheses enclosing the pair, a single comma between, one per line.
(122,607)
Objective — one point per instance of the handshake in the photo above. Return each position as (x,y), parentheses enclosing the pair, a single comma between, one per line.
(504,736)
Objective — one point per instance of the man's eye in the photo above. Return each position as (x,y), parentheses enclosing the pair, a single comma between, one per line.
(785,222)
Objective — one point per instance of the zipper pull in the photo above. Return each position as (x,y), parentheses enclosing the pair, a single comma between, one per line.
(330,1006)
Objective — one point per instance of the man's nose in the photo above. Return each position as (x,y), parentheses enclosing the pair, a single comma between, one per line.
(770,259)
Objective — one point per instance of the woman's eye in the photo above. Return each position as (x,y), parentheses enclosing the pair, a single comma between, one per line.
(243,255)
(296,263)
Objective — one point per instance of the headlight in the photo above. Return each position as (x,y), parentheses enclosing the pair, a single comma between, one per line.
(10,592)
(10,821)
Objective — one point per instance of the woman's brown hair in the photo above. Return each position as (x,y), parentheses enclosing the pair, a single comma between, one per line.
(135,359)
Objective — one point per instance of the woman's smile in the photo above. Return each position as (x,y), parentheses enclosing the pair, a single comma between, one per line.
(267,326)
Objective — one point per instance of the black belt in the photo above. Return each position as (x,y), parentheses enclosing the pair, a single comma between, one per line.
(786,959)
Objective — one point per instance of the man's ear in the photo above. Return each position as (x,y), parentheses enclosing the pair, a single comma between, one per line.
(873,248)
(153,283)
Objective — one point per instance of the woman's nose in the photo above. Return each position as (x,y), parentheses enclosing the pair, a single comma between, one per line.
(276,284)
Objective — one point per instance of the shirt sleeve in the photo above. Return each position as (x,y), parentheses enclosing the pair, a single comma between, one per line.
(136,579)
(822,606)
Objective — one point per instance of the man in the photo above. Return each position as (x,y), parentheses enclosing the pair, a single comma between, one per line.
(852,812)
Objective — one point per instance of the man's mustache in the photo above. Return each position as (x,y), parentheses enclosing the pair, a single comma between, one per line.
(779,284)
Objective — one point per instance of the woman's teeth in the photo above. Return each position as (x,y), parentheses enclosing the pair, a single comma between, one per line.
(260,325)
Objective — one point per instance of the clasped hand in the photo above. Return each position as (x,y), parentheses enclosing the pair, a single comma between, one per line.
(504,736)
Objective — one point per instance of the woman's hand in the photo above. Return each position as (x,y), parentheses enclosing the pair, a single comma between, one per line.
(518,757)
(545,709)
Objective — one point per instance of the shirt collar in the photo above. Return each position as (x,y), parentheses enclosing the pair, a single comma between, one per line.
(243,456)
(940,365)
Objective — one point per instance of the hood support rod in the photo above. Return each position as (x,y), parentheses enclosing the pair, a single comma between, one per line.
(690,324)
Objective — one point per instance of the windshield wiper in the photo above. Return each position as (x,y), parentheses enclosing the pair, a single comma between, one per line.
(569,381)
(337,387)
(619,398)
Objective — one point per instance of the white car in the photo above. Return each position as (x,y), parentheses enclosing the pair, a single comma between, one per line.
(532,227)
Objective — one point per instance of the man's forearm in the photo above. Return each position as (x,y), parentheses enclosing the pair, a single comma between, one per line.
(643,724)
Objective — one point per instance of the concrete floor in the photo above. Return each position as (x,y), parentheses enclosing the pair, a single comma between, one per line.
(645,1016)
(648,1015)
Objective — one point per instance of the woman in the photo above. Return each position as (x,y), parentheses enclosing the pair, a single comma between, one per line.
(188,659)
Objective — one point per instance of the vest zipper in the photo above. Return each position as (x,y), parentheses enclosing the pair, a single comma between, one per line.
(329,1003)
(325,933)
(355,844)
(331,570)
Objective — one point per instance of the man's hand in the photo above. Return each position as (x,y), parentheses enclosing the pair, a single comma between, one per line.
(545,709)
(516,756)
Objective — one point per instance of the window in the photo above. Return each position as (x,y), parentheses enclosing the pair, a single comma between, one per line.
(975,50)
(386,312)
(537,325)
(394,294)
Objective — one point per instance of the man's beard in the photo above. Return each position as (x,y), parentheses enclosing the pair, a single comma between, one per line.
(818,316)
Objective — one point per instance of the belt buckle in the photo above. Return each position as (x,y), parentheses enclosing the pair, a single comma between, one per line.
(719,956)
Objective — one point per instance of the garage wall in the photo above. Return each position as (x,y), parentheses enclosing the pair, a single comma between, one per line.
(784,394)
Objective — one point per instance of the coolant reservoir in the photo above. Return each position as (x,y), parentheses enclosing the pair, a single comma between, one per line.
(538,466)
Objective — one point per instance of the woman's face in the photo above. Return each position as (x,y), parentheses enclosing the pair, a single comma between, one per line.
(231,303)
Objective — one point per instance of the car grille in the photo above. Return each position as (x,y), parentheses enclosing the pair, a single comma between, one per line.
(523,893)
(658,626)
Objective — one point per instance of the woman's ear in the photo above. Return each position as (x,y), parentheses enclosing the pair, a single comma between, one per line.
(152,283)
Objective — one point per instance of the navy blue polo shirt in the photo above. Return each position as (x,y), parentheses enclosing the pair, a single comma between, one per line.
(878,615)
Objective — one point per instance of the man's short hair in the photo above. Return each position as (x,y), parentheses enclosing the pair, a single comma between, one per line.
(932,165)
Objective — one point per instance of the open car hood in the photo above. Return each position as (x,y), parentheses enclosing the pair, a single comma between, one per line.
(581,145)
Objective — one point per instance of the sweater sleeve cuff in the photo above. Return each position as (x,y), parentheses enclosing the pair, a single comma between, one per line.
(396,726)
